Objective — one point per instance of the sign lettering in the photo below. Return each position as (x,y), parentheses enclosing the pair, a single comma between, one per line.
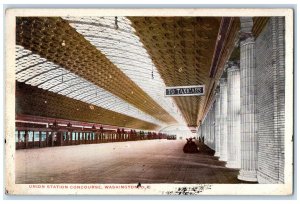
(185,91)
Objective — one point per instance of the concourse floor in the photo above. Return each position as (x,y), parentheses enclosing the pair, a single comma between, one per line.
(152,161)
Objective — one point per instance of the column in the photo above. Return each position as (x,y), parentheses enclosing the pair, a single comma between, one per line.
(60,137)
(19,141)
(52,139)
(40,139)
(205,130)
(47,135)
(217,124)
(248,170)
(233,117)
(67,138)
(26,139)
(212,126)
(71,139)
(208,128)
(223,120)
(33,139)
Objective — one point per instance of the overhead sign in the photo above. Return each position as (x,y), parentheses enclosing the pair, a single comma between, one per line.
(185,91)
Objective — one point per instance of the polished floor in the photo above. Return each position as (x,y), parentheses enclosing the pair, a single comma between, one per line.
(152,161)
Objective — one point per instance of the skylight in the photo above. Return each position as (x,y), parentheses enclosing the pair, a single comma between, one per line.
(123,48)
(37,71)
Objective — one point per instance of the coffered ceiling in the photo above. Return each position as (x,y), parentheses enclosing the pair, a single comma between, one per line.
(114,70)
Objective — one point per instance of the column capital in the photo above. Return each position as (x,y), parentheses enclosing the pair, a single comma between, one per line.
(233,66)
(246,24)
(246,28)
(246,37)
(217,91)
(223,80)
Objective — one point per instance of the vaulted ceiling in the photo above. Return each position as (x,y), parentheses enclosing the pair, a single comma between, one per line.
(181,49)
(113,70)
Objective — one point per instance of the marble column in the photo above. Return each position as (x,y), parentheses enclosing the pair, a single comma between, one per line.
(212,126)
(249,145)
(206,132)
(223,119)
(217,124)
(233,117)
(199,132)
(208,128)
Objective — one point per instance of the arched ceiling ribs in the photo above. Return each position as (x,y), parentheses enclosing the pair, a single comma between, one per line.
(83,88)
(51,105)
(117,45)
(62,45)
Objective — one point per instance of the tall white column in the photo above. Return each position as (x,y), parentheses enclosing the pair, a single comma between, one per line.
(205,130)
(233,117)
(223,121)
(217,124)
(249,145)
(208,128)
(212,126)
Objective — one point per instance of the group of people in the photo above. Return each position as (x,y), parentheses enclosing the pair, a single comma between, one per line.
(190,146)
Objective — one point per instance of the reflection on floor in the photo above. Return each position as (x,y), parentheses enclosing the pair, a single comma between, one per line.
(153,161)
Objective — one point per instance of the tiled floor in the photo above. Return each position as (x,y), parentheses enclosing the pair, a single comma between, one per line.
(155,161)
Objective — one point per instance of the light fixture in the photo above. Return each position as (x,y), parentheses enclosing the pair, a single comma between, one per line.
(152,73)
(116,23)
(63,43)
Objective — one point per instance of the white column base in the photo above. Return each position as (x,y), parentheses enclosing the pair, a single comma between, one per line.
(217,154)
(233,165)
(222,158)
(247,176)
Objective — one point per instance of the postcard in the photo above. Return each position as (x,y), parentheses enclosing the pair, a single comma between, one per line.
(149,101)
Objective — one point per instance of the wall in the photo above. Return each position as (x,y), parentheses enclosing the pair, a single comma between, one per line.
(270,81)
